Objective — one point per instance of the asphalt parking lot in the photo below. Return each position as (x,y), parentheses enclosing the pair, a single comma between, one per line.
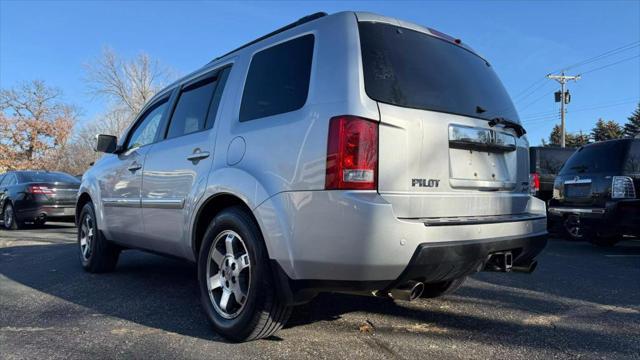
(582,302)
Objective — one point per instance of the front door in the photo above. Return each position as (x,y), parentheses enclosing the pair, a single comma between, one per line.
(121,183)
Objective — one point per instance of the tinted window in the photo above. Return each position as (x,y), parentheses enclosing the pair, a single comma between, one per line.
(278,79)
(147,128)
(215,103)
(549,161)
(191,110)
(411,69)
(601,157)
(42,176)
(6,180)
(632,162)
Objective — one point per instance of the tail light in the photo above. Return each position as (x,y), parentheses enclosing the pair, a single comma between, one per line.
(37,189)
(622,188)
(352,154)
(534,183)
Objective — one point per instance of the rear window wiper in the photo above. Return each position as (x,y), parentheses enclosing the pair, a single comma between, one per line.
(508,124)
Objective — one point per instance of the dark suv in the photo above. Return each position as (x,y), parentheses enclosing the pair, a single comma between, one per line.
(595,193)
(545,163)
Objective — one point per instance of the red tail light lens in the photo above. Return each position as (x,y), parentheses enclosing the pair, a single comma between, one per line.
(35,189)
(534,183)
(352,154)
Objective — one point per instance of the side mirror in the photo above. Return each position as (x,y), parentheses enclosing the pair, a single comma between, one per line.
(106,143)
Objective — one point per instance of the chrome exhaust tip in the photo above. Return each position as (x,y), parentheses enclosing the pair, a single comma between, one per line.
(408,291)
(527,267)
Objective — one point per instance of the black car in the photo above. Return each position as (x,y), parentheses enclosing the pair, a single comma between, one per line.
(545,163)
(36,196)
(595,195)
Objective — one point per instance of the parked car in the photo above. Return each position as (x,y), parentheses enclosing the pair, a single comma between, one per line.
(37,196)
(321,158)
(595,194)
(545,163)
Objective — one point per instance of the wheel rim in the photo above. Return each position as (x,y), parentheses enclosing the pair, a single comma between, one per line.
(8,216)
(572,225)
(228,274)
(87,235)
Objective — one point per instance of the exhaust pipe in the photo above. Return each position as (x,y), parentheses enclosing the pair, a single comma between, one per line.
(500,261)
(408,291)
(527,267)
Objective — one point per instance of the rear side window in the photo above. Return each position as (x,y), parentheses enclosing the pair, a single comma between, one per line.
(190,114)
(33,176)
(607,156)
(632,162)
(278,79)
(411,69)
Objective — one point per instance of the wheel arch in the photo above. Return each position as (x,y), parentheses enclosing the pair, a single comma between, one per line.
(212,206)
(82,200)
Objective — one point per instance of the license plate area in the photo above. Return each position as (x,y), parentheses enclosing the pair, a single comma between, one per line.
(577,190)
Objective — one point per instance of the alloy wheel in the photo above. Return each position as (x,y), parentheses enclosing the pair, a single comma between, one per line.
(573,228)
(228,274)
(87,235)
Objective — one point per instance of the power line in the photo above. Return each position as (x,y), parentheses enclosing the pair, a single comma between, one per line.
(542,119)
(611,64)
(537,99)
(602,56)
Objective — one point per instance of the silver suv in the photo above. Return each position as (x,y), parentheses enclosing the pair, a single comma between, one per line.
(344,153)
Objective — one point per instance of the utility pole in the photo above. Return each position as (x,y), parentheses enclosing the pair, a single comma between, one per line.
(564,99)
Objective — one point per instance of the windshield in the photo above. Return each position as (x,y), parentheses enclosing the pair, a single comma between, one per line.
(601,157)
(42,176)
(408,68)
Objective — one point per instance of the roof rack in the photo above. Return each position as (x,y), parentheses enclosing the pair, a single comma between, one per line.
(301,21)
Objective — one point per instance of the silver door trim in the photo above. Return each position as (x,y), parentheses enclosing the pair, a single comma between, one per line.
(119,202)
(167,203)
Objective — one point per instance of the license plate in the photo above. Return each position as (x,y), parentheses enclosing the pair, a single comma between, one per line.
(577,190)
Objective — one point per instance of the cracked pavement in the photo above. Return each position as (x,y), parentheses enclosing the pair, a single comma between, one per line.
(582,302)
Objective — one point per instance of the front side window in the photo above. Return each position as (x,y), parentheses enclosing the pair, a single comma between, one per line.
(147,128)
(278,79)
(191,110)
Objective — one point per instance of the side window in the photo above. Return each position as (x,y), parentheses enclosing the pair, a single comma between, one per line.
(278,79)
(215,102)
(190,113)
(5,180)
(147,128)
(632,163)
(9,180)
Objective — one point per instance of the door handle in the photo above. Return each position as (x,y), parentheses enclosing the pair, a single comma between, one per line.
(134,167)
(198,156)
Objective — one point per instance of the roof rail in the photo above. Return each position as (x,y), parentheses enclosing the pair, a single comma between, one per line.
(300,21)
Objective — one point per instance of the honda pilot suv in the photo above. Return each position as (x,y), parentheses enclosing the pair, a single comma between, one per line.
(345,153)
(595,194)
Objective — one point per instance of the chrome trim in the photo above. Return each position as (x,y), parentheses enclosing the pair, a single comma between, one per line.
(120,202)
(577,181)
(461,136)
(558,210)
(482,184)
(168,203)
(478,220)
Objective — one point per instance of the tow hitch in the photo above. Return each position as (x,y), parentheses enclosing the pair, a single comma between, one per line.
(500,261)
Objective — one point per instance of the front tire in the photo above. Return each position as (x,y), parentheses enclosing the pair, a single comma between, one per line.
(435,290)
(97,255)
(9,218)
(236,284)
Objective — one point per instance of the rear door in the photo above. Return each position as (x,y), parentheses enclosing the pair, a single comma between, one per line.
(439,154)
(176,168)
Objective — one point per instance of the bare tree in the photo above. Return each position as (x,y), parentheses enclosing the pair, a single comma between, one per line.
(129,84)
(34,125)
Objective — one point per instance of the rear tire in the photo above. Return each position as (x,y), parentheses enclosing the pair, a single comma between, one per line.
(9,217)
(572,228)
(97,255)
(242,270)
(435,290)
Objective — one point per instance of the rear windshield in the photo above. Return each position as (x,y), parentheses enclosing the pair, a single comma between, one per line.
(41,176)
(408,68)
(602,157)
(549,161)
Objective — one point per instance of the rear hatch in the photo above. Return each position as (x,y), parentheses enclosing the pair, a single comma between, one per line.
(585,179)
(450,139)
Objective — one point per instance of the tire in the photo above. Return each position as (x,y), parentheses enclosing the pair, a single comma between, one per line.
(38,222)
(9,218)
(571,228)
(242,271)
(97,255)
(435,290)
(604,240)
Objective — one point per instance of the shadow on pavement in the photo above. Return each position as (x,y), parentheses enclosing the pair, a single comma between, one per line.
(162,293)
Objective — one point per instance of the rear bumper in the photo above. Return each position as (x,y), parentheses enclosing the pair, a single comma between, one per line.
(621,215)
(353,238)
(57,212)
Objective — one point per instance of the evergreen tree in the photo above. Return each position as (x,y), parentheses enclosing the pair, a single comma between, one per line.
(632,127)
(606,130)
